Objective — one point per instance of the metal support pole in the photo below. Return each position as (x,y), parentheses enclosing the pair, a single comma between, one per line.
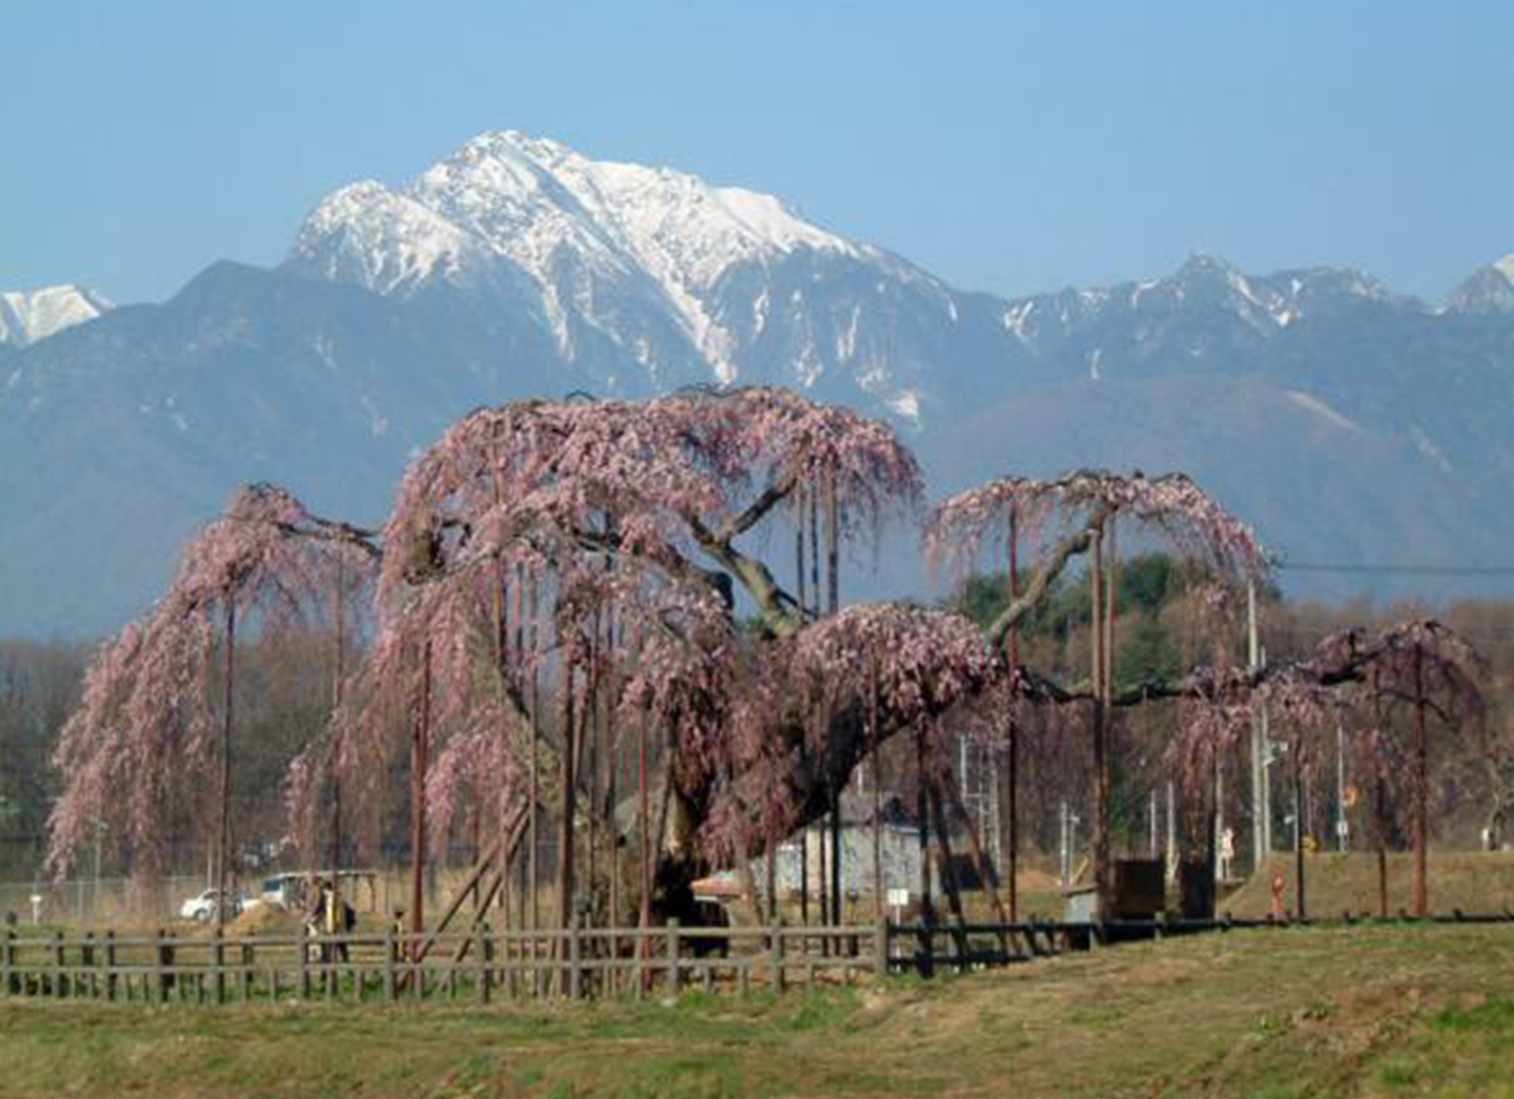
(1172,833)
(224,853)
(1342,826)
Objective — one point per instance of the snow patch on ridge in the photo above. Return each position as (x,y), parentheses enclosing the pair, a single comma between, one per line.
(906,403)
(1319,408)
(1426,446)
(29,316)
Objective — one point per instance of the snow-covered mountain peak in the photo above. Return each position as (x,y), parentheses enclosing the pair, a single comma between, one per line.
(1505,267)
(588,239)
(527,198)
(29,316)
(671,223)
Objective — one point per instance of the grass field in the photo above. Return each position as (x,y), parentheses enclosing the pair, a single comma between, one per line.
(1365,1011)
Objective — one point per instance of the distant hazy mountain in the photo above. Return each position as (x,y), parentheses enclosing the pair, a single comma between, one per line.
(1349,424)
(28,316)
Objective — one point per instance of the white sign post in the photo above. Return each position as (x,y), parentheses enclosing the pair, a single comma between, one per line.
(898,900)
(36,899)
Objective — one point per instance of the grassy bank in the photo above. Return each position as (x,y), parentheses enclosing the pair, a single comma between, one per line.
(1279,1013)
(1472,881)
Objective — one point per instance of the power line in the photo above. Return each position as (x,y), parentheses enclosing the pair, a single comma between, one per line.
(1407,570)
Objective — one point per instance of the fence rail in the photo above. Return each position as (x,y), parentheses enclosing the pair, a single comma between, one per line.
(484,964)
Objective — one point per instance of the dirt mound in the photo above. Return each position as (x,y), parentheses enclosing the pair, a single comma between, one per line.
(1031,880)
(266,918)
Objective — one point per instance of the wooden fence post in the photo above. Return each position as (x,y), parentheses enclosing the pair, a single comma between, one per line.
(8,964)
(775,936)
(165,959)
(674,977)
(880,947)
(218,955)
(58,963)
(575,960)
(88,960)
(110,966)
(391,979)
(304,948)
(481,960)
(244,971)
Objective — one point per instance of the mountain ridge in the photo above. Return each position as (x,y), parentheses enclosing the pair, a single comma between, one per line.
(1342,417)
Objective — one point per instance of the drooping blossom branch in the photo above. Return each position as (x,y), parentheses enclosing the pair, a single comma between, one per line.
(1080,504)
(141,739)
(785,764)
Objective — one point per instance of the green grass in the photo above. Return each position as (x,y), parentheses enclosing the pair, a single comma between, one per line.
(1274,1014)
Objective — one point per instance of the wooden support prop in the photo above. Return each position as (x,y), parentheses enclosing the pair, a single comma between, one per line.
(948,874)
(419,747)
(980,861)
(485,863)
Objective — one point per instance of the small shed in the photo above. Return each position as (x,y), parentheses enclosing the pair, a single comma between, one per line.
(899,853)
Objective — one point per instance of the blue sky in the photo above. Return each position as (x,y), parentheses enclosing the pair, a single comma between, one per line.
(1006,147)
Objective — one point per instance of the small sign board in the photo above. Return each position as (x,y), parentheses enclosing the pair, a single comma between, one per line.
(898,898)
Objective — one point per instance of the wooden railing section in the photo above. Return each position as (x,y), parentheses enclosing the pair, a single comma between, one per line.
(483,965)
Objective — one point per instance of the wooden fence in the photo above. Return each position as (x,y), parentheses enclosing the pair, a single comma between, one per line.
(593,962)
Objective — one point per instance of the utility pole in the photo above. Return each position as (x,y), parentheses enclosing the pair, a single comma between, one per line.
(1261,817)
(223,854)
(1219,821)
(1342,826)
(1064,868)
(1172,833)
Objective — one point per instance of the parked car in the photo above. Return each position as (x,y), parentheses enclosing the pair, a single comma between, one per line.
(202,906)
